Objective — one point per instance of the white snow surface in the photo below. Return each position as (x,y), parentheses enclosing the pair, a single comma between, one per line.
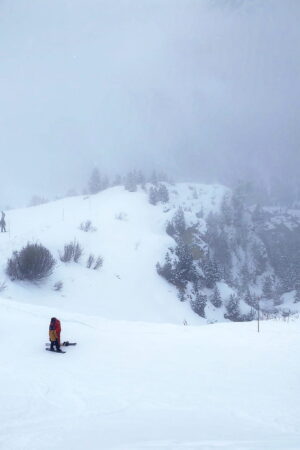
(138,378)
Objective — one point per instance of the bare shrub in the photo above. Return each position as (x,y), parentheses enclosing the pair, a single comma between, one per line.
(121,216)
(72,252)
(90,261)
(3,286)
(87,226)
(98,263)
(58,286)
(77,252)
(33,263)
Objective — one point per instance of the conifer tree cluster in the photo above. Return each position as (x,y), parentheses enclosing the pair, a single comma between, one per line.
(158,193)
(240,248)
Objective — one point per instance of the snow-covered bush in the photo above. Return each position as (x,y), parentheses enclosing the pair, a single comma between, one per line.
(158,194)
(92,264)
(34,262)
(72,252)
(37,200)
(121,216)
(58,286)
(87,226)
(90,261)
(98,263)
(2,286)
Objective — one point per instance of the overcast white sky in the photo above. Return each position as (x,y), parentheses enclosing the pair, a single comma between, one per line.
(203,89)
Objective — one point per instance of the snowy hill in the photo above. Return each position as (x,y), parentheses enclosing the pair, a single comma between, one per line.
(130,236)
(223,248)
(138,378)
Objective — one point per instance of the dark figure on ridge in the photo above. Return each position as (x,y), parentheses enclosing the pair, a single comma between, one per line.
(2,222)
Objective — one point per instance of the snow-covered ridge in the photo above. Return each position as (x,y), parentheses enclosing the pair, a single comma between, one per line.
(130,236)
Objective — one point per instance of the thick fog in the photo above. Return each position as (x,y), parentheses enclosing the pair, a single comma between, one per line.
(204,90)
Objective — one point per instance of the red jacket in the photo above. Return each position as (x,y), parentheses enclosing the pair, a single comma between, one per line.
(58,329)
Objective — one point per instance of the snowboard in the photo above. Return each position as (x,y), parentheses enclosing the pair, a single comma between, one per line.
(54,351)
(64,344)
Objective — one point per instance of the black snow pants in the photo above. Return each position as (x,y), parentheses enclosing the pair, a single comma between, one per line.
(56,344)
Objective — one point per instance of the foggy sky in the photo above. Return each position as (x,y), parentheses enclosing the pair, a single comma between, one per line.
(203,89)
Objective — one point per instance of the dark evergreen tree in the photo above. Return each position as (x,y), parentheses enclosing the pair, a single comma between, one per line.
(233,309)
(184,270)
(297,294)
(258,218)
(248,298)
(210,271)
(162,194)
(268,287)
(198,303)
(131,182)
(97,182)
(140,178)
(226,210)
(154,178)
(166,270)
(221,251)
(245,276)
(153,195)
(259,257)
(170,229)
(216,299)
(118,181)
(179,221)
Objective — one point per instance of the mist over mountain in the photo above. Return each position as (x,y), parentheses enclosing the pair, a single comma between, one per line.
(207,91)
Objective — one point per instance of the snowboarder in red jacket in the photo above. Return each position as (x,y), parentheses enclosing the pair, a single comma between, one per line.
(54,334)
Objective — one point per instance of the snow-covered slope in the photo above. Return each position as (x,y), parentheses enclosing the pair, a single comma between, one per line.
(138,378)
(130,236)
(135,386)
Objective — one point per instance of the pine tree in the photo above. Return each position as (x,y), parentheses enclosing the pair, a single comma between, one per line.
(211,272)
(260,257)
(94,184)
(258,217)
(245,276)
(154,178)
(117,181)
(163,194)
(268,288)
(198,304)
(248,298)
(297,294)
(131,182)
(140,178)
(152,195)
(233,309)
(184,265)
(216,298)
(179,221)
(226,210)
(166,270)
